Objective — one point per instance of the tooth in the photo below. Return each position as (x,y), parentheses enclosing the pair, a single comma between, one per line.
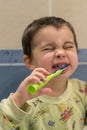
(62,65)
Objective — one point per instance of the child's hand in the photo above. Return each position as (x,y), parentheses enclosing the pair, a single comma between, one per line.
(22,95)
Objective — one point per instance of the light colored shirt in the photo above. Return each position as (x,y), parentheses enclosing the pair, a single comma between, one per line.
(66,112)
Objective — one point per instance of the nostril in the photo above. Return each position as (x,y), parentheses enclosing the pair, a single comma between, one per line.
(61,56)
(58,56)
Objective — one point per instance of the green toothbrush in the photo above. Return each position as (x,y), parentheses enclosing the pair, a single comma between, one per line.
(32,88)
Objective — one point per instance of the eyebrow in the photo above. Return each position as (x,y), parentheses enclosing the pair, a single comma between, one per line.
(53,43)
(48,43)
(70,42)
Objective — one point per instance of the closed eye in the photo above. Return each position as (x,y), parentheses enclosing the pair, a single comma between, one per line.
(69,45)
(48,48)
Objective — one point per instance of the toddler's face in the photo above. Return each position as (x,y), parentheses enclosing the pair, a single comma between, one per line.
(54,48)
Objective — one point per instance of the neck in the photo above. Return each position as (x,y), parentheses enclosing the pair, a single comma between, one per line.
(58,87)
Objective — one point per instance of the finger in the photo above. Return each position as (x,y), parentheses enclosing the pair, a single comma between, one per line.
(45,91)
(42,70)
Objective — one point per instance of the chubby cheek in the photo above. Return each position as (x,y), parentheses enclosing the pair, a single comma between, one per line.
(74,61)
(44,61)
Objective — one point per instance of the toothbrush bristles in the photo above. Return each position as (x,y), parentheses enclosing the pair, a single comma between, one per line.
(62,68)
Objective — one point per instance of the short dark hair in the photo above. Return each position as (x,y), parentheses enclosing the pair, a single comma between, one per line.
(32,29)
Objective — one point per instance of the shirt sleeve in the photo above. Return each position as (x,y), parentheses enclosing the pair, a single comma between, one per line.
(11,116)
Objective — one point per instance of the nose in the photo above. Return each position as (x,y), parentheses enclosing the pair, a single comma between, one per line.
(60,53)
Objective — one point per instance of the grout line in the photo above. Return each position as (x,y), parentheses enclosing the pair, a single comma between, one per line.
(50,7)
(22,64)
(12,64)
(82,63)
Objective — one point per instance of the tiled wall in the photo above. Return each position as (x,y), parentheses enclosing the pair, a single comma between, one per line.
(15,15)
(13,70)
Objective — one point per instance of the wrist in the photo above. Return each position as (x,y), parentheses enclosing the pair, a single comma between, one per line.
(18,100)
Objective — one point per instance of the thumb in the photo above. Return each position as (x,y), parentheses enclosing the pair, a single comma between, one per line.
(45,91)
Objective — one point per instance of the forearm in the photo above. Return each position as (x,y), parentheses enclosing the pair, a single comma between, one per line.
(11,114)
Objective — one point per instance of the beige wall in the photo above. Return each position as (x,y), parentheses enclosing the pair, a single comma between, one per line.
(16,14)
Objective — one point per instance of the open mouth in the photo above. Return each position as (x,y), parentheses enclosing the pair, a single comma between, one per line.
(59,66)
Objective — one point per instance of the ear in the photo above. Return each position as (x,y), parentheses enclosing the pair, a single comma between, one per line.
(28,62)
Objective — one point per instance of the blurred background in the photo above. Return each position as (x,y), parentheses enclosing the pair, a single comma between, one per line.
(15,15)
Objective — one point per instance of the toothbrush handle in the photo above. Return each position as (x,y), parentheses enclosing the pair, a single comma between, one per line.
(32,88)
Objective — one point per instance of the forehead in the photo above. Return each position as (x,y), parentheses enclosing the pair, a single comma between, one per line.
(52,33)
(51,27)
